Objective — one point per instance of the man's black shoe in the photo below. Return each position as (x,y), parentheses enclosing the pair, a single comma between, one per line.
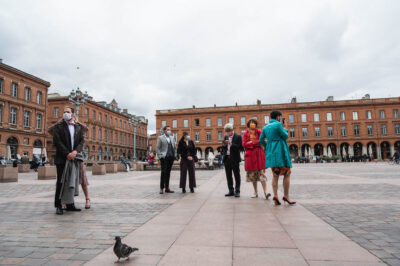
(59,211)
(230,194)
(237,195)
(73,209)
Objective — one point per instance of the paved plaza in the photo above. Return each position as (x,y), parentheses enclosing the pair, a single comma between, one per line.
(349,214)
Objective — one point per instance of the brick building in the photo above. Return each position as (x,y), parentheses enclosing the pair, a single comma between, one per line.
(343,128)
(111,130)
(23,102)
(152,142)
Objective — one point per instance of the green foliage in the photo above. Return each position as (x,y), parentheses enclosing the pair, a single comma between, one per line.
(24,160)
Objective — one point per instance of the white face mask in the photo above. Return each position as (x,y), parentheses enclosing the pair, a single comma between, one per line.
(67,116)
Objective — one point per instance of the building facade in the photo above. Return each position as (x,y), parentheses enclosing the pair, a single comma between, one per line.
(344,128)
(152,143)
(111,130)
(23,109)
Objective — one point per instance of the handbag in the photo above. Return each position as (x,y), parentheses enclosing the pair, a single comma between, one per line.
(195,159)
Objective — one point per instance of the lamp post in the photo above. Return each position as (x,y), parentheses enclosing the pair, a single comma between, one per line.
(78,99)
(134,121)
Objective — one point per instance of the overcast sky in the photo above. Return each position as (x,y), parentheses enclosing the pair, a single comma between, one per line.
(151,55)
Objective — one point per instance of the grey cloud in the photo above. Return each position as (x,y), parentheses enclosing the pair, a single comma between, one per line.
(152,55)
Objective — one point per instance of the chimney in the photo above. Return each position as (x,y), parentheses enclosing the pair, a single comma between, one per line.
(294,100)
(236,104)
(125,110)
(1,61)
(329,99)
(194,106)
(258,102)
(215,105)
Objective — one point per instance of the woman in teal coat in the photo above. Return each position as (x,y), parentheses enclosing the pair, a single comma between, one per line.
(273,138)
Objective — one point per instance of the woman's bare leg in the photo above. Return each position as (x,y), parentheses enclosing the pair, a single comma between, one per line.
(275,184)
(264,186)
(86,192)
(255,187)
(286,185)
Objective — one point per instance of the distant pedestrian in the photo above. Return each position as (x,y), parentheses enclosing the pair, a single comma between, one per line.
(127,164)
(396,157)
(254,163)
(187,152)
(166,152)
(273,138)
(151,159)
(231,148)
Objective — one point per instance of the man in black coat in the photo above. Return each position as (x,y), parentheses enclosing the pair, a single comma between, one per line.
(231,148)
(68,139)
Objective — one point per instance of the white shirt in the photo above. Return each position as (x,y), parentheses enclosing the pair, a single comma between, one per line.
(168,139)
(229,145)
(72,133)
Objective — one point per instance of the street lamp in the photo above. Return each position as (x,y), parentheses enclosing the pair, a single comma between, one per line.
(78,98)
(134,121)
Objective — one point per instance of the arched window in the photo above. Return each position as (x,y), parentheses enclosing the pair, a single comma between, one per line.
(12,148)
(37,143)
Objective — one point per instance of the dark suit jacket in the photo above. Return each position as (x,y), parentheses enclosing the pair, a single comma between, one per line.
(62,140)
(236,148)
(184,150)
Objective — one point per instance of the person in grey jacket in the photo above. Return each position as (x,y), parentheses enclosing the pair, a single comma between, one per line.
(166,151)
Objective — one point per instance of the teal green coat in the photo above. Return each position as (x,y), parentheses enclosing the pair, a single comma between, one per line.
(276,148)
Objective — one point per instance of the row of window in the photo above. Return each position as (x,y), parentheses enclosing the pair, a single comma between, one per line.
(243,121)
(208,136)
(56,113)
(231,120)
(317,132)
(342,116)
(27,117)
(343,131)
(28,92)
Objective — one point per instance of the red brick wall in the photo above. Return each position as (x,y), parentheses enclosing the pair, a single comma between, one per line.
(94,143)
(26,135)
(335,107)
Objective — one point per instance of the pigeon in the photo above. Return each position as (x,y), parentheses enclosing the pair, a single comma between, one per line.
(121,250)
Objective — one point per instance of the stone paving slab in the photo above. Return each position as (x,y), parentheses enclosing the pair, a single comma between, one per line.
(208,229)
(346,205)
(32,234)
(360,200)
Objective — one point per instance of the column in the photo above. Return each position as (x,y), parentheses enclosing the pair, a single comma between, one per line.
(364,150)
(325,153)
(391,150)
(378,150)
(351,152)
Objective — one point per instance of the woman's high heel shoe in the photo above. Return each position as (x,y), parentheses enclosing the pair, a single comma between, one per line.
(87,206)
(290,202)
(276,201)
(267,195)
(254,196)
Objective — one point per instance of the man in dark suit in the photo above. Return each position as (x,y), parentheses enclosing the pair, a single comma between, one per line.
(68,139)
(232,146)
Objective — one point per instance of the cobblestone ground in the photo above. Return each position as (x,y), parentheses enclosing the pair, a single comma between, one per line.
(32,234)
(360,200)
